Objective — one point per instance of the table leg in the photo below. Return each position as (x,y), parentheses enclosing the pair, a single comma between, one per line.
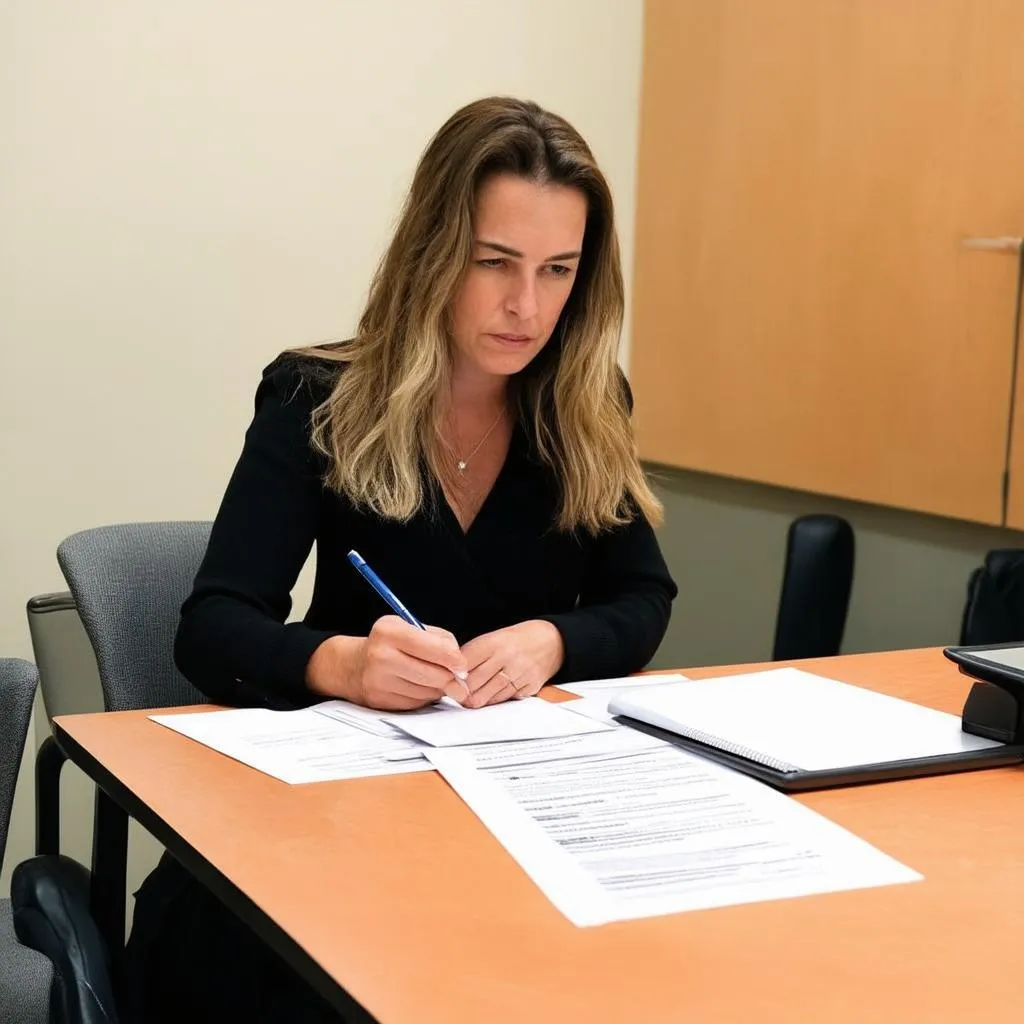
(109,871)
(49,761)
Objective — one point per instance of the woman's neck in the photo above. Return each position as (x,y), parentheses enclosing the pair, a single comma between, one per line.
(478,393)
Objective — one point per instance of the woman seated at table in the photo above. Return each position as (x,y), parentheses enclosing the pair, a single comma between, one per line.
(473,443)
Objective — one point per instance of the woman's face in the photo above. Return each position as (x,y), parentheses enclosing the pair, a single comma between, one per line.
(527,240)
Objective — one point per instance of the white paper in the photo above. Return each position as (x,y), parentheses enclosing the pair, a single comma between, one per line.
(595,708)
(610,687)
(298,746)
(804,720)
(367,720)
(553,748)
(528,719)
(620,833)
(338,740)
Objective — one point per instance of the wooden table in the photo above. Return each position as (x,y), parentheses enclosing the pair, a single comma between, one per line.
(391,892)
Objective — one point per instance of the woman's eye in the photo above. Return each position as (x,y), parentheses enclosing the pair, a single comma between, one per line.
(557,270)
(494,261)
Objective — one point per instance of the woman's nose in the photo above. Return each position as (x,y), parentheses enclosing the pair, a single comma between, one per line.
(522,298)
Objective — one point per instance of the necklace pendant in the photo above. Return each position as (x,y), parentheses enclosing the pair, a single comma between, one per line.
(461,465)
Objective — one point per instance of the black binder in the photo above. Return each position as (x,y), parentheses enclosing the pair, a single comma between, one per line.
(997,714)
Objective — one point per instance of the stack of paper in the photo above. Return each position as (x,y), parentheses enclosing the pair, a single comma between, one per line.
(338,740)
(298,746)
(609,822)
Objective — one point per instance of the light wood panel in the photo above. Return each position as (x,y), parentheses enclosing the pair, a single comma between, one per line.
(402,895)
(804,312)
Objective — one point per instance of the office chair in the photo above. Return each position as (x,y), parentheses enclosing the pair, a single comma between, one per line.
(994,609)
(53,966)
(159,559)
(128,582)
(816,582)
(70,684)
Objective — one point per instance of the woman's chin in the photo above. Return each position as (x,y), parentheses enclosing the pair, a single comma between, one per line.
(508,362)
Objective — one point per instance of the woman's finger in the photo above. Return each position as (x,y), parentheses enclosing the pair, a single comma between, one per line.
(509,691)
(528,689)
(393,671)
(498,688)
(422,673)
(483,673)
(437,646)
(391,693)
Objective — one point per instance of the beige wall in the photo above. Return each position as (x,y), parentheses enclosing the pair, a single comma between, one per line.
(187,188)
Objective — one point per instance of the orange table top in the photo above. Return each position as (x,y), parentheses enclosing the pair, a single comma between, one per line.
(394,887)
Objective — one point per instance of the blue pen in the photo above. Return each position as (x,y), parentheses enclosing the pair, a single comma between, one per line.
(383,589)
(389,596)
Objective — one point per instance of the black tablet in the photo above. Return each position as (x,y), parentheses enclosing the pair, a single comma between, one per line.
(1002,664)
(995,705)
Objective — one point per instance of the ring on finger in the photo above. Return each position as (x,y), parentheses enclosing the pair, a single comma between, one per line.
(509,680)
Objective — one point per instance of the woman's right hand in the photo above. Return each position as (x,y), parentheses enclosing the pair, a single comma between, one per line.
(396,668)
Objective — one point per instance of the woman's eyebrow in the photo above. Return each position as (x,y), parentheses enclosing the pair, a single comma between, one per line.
(504,249)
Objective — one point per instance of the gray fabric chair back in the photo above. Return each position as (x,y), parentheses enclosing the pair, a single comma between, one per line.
(129,582)
(18,681)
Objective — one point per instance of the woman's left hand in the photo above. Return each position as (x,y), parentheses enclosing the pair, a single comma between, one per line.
(512,662)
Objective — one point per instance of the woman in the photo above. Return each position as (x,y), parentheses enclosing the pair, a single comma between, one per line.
(472,442)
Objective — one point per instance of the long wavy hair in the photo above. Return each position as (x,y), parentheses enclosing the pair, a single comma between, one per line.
(381,424)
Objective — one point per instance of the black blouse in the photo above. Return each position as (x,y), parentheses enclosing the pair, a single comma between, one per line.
(609,596)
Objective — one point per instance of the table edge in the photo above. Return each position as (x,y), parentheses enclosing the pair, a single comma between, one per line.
(219,884)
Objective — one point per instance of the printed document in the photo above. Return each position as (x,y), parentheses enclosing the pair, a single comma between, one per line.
(634,827)
(298,746)
(528,719)
(447,723)
(338,740)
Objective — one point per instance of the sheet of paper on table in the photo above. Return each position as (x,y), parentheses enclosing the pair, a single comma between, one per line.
(608,688)
(594,708)
(527,719)
(338,740)
(298,746)
(439,725)
(634,827)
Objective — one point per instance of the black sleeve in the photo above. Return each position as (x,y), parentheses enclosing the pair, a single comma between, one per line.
(624,606)
(232,641)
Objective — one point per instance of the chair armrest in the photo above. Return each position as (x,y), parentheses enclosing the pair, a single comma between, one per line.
(50,896)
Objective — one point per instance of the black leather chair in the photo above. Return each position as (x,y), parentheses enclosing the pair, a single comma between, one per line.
(994,609)
(50,895)
(816,582)
(53,968)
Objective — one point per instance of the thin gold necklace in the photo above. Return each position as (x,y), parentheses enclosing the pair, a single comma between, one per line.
(463,464)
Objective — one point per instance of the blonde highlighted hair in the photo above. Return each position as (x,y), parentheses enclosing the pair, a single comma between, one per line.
(380,426)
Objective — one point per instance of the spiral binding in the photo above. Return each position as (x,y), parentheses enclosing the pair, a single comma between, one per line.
(717,743)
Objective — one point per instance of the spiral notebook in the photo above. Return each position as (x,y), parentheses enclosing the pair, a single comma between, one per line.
(802,731)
